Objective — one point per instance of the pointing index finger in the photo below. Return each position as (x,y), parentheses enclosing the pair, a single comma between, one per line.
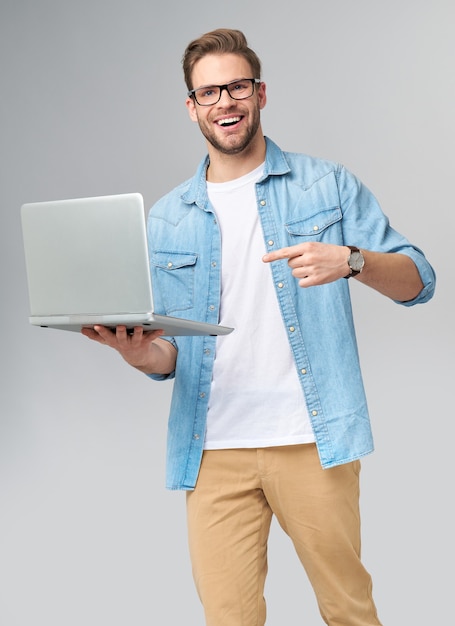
(282,253)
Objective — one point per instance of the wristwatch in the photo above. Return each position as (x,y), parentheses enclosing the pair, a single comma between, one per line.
(356,261)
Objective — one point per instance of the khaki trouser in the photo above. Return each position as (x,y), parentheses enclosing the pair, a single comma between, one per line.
(229,517)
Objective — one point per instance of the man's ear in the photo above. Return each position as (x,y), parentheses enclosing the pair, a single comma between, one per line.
(191,106)
(262,96)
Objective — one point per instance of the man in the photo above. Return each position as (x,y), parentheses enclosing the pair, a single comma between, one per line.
(271,419)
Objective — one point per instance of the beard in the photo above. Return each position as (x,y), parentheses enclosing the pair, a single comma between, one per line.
(235,143)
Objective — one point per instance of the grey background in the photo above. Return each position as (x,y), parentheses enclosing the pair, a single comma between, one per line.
(92,103)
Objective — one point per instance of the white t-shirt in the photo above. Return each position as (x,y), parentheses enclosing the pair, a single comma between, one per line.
(256,399)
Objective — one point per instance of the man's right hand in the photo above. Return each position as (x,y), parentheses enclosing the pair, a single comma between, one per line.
(141,349)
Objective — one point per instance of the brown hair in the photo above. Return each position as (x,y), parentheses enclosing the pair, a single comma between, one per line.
(220,41)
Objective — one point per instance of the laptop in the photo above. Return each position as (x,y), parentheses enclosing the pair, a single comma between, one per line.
(87,263)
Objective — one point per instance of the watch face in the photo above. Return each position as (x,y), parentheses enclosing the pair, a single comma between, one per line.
(356,261)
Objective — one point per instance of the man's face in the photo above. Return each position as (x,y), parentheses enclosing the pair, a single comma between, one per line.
(229,125)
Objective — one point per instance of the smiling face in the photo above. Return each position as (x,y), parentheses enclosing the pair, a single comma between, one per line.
(230,126)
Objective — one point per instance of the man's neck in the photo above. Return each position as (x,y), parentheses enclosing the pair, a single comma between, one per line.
(225,167)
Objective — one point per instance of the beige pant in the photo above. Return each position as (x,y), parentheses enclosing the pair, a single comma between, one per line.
(229,516)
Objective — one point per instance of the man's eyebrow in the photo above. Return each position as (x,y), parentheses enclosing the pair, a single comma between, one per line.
(217,84)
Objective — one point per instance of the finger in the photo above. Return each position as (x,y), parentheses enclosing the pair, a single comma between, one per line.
(150,335)
(139,335)
(139,332)
(92,334)
(105,332)
(134,337)
(101,334)
(121,332)
(283,253)
(297,261)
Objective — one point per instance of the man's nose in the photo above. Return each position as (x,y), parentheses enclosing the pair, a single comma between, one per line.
(228,98)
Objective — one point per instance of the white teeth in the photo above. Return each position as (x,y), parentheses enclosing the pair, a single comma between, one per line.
(229,120)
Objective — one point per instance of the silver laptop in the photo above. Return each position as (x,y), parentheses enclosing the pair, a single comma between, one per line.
(87,263)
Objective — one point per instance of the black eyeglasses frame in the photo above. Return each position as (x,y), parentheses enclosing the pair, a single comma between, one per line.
(192,92)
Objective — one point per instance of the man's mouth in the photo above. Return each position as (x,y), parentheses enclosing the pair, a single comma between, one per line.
(229,121)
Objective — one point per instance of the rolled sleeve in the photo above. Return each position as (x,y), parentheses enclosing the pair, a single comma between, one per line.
(427,276)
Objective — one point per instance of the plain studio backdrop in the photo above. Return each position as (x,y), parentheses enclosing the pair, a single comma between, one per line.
(92,103)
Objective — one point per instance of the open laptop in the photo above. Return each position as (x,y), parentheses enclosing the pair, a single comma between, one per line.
(87,263)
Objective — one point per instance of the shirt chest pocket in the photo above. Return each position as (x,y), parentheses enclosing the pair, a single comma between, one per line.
(173,280)
(324,225)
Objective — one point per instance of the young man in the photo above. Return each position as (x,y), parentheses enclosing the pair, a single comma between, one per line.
(271,419)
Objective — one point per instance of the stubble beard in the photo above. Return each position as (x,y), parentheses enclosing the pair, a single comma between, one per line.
(240,143)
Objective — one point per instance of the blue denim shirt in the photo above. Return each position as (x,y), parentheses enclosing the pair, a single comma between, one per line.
(299,199)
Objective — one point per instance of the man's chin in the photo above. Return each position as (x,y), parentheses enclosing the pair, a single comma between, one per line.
(230,145)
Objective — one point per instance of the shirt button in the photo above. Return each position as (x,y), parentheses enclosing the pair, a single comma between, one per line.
(202,394)
(270,242)
(262,203)
(214,264)
(315,228)
(281,285)
(314,413)
(292,329)
(169,264)
(303,371)
(206,351)
(211,307)
(195,436)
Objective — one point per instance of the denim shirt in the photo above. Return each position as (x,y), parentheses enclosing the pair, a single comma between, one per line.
(299,199)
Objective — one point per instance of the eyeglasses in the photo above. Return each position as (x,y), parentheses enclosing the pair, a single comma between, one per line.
(237,89)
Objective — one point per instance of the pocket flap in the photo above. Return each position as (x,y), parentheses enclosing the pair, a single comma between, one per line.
(173,260)
(314,224)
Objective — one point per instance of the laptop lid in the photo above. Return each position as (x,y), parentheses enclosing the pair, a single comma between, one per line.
(87,263)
